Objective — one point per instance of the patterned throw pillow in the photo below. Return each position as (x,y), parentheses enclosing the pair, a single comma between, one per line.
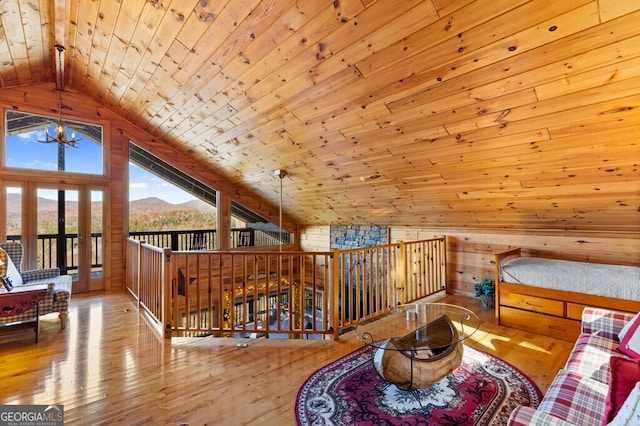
(630,343)
(627,326)
(10,270)
(3,261)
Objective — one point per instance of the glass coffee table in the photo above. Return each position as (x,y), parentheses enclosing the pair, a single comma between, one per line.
(417,345)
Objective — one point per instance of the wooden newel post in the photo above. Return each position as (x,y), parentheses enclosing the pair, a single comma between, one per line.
(138,273)
(334,288)
(400,279)
(166,294)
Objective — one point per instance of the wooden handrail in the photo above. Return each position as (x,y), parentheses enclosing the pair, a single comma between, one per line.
(291,294)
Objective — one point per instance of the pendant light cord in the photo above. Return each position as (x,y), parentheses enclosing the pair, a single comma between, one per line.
(60,50)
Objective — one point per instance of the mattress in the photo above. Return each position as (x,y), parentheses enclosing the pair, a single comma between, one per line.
(622,282)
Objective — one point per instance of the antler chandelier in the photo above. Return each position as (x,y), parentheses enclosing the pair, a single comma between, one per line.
(61,133)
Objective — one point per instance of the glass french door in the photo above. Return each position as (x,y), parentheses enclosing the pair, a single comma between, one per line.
(59,226)
(95,241)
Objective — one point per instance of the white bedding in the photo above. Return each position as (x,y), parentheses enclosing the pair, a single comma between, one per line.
(622,282)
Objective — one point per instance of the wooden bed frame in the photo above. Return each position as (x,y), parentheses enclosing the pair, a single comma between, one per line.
(549,312)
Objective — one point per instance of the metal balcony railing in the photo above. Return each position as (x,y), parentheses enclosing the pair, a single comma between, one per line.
(184,240)
(47,252)
(189,240)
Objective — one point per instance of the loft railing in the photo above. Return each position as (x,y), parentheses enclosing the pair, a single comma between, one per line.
(372,279)
(279,294)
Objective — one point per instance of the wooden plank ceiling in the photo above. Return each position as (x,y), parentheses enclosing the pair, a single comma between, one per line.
(448,113)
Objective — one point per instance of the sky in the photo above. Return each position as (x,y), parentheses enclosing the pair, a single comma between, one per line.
(143,184)
(24,151)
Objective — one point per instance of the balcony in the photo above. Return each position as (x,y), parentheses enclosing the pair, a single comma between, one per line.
(51,248)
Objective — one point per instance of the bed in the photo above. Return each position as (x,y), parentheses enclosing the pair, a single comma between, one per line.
(547,296)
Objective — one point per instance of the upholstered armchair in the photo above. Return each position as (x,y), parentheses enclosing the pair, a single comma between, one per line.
(59,286)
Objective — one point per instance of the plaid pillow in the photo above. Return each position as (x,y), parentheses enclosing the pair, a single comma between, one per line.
(3,262)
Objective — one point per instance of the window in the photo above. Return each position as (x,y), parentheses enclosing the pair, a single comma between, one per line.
(28,147)
(248,229)
(168,208)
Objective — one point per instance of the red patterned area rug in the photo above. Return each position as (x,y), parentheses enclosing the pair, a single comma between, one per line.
(483,390)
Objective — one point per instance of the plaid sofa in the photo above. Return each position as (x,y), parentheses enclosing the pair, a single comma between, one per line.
(577,395)
(58,293)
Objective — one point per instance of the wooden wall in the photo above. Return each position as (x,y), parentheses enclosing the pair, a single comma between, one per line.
(470,252)
(315,238)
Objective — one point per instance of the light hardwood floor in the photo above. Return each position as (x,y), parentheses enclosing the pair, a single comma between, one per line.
(110,367)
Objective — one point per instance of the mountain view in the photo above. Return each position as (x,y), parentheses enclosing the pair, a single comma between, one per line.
(154,214)
(149,214)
